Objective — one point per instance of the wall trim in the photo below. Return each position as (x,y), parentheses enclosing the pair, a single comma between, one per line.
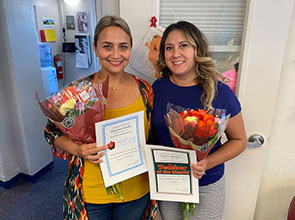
(26,177)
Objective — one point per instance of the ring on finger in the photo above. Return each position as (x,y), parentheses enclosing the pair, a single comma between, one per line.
(88,157)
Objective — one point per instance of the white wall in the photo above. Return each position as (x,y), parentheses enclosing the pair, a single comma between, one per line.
(22,145)
(59,10)
(49,8)
(71,72)
(138,13)
(23,148)
(8,168)
(110,7)
(278,180)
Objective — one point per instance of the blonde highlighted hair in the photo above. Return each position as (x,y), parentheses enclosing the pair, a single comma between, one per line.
(111,21)
(207,76)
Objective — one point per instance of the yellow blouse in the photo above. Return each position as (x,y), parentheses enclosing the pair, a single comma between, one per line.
(133,188)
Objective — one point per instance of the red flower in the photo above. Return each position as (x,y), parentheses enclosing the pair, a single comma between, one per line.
(68,93)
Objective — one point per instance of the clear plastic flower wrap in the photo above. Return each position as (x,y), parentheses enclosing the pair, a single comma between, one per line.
(197,129)
(75,109)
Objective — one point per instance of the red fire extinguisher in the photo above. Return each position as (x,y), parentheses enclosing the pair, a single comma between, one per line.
(58,66)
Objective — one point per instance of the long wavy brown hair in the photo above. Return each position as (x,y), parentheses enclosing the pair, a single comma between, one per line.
(207,76)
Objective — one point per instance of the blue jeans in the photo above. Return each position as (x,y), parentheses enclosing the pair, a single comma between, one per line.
(132,210)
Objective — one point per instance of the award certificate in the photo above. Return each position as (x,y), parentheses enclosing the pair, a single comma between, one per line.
(170,174)
(125,158)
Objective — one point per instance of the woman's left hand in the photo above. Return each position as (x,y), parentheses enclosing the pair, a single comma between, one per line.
(199,169)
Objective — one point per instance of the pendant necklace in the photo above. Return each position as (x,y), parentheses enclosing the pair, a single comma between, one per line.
(115,87)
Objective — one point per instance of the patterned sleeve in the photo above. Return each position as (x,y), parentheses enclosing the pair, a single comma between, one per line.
(51,133)
(151,97)
(147,94)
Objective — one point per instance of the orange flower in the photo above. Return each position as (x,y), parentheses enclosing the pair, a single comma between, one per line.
(206,127)
(201,130)
(213,127)
(198,129)
(68,93)
(208,117)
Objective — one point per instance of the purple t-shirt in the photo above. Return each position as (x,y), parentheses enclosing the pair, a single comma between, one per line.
(189,97)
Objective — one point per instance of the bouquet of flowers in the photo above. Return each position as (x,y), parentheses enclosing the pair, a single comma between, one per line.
(75,109)
(197,130)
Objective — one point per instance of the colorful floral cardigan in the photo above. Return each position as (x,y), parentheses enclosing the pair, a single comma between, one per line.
(73,202)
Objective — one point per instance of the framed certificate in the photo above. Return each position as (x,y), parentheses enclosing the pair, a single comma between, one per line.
(126,158)
(170,174)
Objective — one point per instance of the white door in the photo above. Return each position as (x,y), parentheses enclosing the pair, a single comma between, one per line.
(265,38)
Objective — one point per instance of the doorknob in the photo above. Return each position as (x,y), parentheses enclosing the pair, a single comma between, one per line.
(255,140)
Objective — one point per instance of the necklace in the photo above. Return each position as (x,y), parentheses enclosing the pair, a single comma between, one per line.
(115,87)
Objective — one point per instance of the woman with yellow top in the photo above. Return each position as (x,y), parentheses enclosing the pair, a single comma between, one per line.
(85,196)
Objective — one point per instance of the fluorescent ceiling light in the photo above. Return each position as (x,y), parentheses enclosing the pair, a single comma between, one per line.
(71,2)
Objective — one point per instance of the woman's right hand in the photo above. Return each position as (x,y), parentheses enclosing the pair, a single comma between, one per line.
(91,152)
(86,151)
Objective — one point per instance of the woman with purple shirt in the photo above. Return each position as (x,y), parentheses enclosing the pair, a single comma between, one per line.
(190,80)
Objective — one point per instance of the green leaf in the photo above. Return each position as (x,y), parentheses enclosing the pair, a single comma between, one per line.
(182,205)
(72,113)
(89,103)
(188,208)
(214,138)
